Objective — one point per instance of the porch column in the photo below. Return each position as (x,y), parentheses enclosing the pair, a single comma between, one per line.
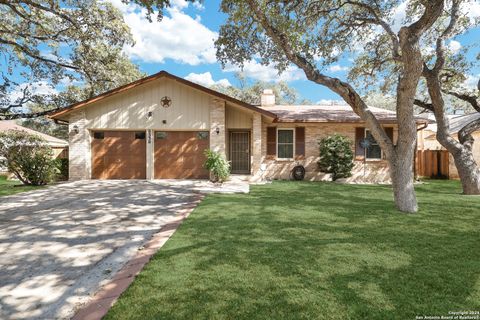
(79,157)
(217,123)
(256,143)
(150,153)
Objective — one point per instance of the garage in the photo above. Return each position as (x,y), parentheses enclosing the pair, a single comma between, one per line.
(180,154)
(118,155)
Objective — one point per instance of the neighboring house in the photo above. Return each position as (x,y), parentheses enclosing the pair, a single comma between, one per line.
(59,146)
(443,161)
(159,126)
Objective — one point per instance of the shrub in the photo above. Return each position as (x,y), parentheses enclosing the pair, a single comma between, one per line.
(218,166)
(28,157)
(336,156)
(62,167)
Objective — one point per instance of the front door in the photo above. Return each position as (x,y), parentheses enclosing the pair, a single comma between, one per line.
(240,152)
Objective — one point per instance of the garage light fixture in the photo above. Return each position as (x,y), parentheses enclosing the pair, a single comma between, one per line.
(217,130)
(75,129)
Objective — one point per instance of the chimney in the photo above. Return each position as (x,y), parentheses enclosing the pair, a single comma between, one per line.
(267,99)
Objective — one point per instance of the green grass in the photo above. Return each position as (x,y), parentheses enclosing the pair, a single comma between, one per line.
(9,187)
(299,250)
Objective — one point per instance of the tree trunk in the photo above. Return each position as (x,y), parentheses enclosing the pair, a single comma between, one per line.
(461,151)
(401,173)
(468,171)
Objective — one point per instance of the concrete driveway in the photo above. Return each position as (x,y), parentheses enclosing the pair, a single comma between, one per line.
(58,245)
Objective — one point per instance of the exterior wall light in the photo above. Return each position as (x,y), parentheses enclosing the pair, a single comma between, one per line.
(75,129)
(217,130)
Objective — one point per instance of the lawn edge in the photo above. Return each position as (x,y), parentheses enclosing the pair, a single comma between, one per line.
(108,294)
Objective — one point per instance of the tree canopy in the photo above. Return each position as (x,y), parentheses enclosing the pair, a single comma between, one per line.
(72,46)
(250,92)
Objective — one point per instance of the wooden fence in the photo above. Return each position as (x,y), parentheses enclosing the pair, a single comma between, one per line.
(432,163)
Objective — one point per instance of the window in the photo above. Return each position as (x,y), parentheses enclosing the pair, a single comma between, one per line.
(98,135)
(140,135)
(373,151)
(285,141)
(202,135)
(160,135)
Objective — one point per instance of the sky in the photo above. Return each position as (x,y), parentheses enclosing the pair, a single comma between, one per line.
(183,44)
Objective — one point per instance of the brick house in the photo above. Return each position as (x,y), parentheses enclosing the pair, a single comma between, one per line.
(158,127)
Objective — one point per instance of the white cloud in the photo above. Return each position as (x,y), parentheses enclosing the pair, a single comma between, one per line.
(268,73)
(399,14)
(454,46)
(206,79)
(178,4)
(472,9)
(337,68)
(330,102)
(471,82)
(178,36)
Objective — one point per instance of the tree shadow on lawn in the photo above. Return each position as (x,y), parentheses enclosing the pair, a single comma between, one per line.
(303,250)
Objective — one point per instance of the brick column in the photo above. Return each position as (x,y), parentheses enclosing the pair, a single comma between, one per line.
(256,143)
(79,147)
(217,120)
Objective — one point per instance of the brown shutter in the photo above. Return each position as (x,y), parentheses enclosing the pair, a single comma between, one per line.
(271,141)
(359,150)
(300,142)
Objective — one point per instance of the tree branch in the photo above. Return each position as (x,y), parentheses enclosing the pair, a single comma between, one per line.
(29,115)
(465,134)
(423,104)
(471,99)
(312,73)
(36,56)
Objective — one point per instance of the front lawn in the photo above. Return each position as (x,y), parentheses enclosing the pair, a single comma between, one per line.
(299,250)
(8,187)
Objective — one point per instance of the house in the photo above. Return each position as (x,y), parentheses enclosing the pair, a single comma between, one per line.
(59,146)
(433,159)
(158,127)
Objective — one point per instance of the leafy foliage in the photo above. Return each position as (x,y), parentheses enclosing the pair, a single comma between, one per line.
(62,168)
(59,42)
(28,157)
(336,156)
(250,93)
(218,166)
(47,126)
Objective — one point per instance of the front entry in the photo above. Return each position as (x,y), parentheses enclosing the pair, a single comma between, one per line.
(239,143)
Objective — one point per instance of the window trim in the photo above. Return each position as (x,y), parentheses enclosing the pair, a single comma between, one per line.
(376,143)
(293,144)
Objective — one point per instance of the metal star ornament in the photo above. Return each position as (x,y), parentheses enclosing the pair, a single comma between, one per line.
(166,102)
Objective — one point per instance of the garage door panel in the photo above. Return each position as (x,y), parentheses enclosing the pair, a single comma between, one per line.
(180,155)
(119,156)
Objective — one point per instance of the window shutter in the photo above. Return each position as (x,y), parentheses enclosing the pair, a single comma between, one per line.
(359,150)
(271,141)
(300,141)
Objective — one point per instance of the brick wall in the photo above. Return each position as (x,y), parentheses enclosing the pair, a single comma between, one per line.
(217,120)
(375,171)
(79,147)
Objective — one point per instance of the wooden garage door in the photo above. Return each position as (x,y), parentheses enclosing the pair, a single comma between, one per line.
(180,154)
(119,155)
